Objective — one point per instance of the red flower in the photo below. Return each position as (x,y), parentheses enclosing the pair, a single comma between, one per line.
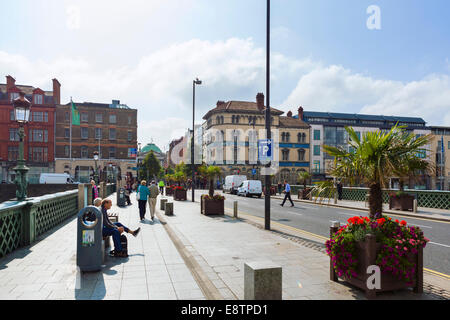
(403,223)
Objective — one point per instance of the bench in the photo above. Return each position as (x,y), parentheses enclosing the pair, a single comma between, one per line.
(114,217)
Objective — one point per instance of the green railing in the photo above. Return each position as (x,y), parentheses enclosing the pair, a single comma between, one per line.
(22,222)
(425,198)
(110,189)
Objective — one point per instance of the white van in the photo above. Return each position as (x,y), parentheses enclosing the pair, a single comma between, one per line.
(57,178)
(232,183)
(250,188)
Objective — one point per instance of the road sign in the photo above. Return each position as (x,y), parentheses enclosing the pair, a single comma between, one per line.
(265,150)
(253,171)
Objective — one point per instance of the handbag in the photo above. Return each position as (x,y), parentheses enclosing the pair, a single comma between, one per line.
(138,195)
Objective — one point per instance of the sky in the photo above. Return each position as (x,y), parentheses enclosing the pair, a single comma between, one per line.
(374,57)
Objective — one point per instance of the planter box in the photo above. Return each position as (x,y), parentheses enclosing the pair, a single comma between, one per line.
(404,202)
(169,191)
(366,253)
(303,194)
(180,195)
(212,207)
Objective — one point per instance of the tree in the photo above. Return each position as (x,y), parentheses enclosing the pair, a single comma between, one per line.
(378,157)
(304,176)
(150,166)
(210,173)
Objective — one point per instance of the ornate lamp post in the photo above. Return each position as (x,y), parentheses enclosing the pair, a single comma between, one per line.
(96,177)
(194,82)
(22,115)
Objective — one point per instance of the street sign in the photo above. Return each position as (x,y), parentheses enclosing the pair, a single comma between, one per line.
(265,150)
(253,171)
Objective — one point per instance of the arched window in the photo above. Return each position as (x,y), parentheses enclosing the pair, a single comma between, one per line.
(232,119)
(237,119)
(301,154)
(288,136)
(283,137)
(301,137)
(285,154)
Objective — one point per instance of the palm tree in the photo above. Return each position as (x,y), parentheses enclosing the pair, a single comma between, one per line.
(304,176)
(377,157)
(210,173)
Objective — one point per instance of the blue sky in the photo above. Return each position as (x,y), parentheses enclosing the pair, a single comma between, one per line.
(146,54)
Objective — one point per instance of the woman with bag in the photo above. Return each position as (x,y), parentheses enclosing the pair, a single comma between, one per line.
(141,196)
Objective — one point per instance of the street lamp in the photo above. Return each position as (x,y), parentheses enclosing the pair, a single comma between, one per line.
(22,109)
(96,177)
(268,121)
(195,82)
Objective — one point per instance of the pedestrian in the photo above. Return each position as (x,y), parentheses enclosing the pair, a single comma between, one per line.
(152,198)
(279,187)
(128,191)
(161,186)
(339,190)
(94,190)
(287,191)
(142,194)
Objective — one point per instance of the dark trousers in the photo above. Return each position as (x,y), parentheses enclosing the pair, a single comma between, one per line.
(128,199)
(142,205)
(161,190)
(115,234)
(287,196)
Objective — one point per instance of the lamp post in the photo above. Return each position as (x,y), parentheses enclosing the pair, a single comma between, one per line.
(268,122)
(22,115)
(198,82)
(96,177)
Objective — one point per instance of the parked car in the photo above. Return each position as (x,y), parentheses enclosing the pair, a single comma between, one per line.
(250,188)
(232,183)
(57,178)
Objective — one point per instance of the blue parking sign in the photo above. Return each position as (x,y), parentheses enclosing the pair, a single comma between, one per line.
(265,150)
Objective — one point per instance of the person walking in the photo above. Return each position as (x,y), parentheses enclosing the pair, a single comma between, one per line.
(152,198)
(280,186)
(287,191)
(94,190)
(339,190)
(161,186)
(142,194)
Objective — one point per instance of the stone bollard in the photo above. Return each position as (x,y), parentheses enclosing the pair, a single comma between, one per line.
(168,209)
(415,206)
(235,209)
(262,281)
(162,204)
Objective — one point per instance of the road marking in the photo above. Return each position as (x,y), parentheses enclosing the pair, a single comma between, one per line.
(437,273)
(294,212)
(418,225)
(439,244)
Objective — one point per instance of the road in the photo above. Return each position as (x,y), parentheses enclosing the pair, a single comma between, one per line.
(316,219)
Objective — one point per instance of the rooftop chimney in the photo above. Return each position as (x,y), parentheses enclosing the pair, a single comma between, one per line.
(10,83)
(289,114)
(219,103)
(260,101)
(56,91)
(300,113)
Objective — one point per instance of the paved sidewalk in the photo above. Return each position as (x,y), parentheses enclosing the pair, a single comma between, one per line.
(47,269)
(422,212)
(221,245)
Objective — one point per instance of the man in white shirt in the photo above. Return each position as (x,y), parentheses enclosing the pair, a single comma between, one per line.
(287,192)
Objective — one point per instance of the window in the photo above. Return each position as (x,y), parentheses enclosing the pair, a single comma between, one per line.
(130,136)
(316,166)
(449,144)
(13,95)
(38,154)
(285,154)
(112,118)
(12,116)
(98,133)
(14,134)
(38,99)
(129,119)
(112,152)
(288,136)
(112,134)
(84,117)
(301,155)
(13,153)
(84,133)
(66,116)
(66,151)
(38,116)
(421,153)
(316,134)
(66,133)
(99,117)
(301,138)
(37,135)
(317,150)
(84,152)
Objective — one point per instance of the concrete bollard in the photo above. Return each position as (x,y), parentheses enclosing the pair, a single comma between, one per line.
(168,209)
(415,206)
(262,281)
(162,204)
(235,209)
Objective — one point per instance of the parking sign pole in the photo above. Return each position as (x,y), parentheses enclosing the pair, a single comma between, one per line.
(268,120)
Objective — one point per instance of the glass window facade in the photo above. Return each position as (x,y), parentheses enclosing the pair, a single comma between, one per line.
(316,134)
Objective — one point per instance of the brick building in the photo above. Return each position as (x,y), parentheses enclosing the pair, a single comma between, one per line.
(110,129)
(39,142)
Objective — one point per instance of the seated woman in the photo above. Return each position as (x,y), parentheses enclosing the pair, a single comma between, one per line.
(114,230)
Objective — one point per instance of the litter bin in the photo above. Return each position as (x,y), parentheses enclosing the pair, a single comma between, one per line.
(121,197)
(90,249)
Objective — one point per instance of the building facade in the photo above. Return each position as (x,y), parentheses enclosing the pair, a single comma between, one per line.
(109,129)
(231,133)
(329,129)
(39,142)
(440,154)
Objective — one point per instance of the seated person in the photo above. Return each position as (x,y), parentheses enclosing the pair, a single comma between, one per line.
(114,230)
(98,202)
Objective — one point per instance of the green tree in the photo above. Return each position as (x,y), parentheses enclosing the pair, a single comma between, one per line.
(376,158)
(150,166)
(304,176)
(210,172)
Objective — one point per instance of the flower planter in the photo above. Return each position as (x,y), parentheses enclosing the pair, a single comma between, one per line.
(169,191)
(366,253)
(180,195)
(212,207)
(303,194)
(402,202)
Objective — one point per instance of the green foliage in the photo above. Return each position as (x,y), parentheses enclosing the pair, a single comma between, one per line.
(323,190)
(150,167)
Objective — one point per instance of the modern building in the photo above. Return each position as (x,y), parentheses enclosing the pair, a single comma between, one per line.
(109,129)
(440,153)
(329,129)
(231,133)
(39,143)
